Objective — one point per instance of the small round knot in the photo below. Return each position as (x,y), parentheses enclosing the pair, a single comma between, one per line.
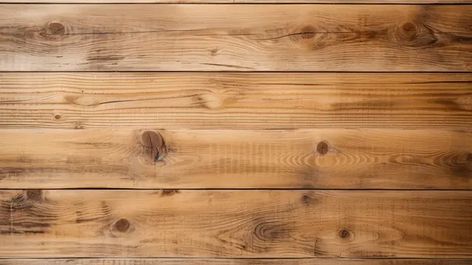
(322,148)
(344,234)
(56,28)
(122,225)
(57,117)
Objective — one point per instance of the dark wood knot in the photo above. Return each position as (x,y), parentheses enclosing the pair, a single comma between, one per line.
(408,31)
(344,234)
(308,32)
(122,225)
(56,28)
(322,148)
(154,145)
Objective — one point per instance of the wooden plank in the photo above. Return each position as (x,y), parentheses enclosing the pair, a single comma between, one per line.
(321,158)
(303,261)
(80,37)
(171,223)
(232,100)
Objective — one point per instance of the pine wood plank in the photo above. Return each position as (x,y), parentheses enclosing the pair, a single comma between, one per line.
(303,261)
(319,158)
(232,100)
(170,223)
(218,37)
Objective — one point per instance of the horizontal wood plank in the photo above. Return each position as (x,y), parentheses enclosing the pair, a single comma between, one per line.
(232,100)
(81,37)
(197,261)
(322,158)
(172,223)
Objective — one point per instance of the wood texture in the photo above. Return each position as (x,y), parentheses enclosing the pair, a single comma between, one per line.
(241,101)
(323,158)
(237,38)
(305,261)
(169,223)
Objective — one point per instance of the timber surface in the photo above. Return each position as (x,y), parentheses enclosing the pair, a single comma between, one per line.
(236,100)
(168,223)
(236,132)
(81,37)
(321,158)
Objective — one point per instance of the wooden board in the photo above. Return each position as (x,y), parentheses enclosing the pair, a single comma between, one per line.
(322,158)
(305,261)
(170,223)
(219,37)
(236,101)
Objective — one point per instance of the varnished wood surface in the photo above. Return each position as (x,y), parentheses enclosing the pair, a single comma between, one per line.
(322,158)
(80,37)
(236,101)
(197,261)
(170,223)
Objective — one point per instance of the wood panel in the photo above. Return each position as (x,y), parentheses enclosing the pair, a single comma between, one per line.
(209,37)
(303,261)
(322,158)
(230,100)
(170,223)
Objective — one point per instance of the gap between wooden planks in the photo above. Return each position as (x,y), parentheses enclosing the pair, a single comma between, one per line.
(429,2)
(170,223)
(229,261)
(80,37)
(236,100)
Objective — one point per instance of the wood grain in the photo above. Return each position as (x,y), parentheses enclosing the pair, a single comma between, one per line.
(197,261)
(322,158)
(236,223)
(80,37)
(172,223)
(232,100)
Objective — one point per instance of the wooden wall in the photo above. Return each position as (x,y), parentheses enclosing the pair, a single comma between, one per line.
(236,132)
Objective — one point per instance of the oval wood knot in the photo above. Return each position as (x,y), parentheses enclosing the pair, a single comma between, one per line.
(56,28)
(322,148)
(122,225)
(154,145)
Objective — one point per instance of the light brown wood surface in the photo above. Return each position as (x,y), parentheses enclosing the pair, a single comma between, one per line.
(197,261)
(322,158)
(236,101)
(219,37)
(236,132)
(170,223)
